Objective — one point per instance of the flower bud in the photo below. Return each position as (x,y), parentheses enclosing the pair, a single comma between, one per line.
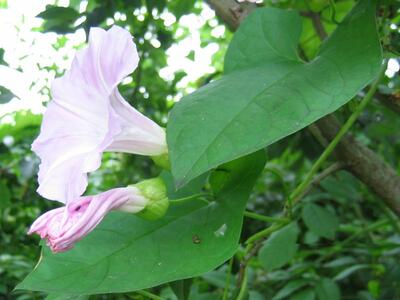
(155,191)
(64,226)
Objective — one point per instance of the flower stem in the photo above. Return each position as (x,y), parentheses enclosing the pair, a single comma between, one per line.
(296,195)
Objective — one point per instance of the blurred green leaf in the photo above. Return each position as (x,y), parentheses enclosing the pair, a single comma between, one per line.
(280,248)
(159,4)
(348,271)
(304,295)
(3,4)
(5,95)
(52,12)
(327,289)
(5,196)
(180,8)
(96,17)
(218,278)
(25,123)
(290,288)
(343,187)
(181,288)
(58,19)
(319,220)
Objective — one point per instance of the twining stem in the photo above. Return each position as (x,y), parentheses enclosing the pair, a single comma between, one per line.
(285,187)
(243,287)
(341,244)
(278,174)
(253,244)
(266,232)
(228,280)
(363,230)
(295,196)
(319,177)
(263,218)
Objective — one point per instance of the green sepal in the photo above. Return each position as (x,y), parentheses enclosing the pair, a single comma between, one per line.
(155,191)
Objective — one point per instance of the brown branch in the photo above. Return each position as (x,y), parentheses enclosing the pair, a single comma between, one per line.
(362,162)
(318,26)
(231,12)
(365,164)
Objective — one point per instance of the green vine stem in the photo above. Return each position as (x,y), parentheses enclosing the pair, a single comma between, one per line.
(263,218)
(296,195)
(228,280)
(279,175)
(266,232)
(243,287)
(339,245)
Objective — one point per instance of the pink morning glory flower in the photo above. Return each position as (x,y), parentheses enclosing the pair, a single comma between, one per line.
(64,226)
(87,116)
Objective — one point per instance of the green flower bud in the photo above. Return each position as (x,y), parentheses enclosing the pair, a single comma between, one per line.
(162,161)
(155,191)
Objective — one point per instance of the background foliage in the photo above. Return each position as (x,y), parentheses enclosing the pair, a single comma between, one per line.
(345,243)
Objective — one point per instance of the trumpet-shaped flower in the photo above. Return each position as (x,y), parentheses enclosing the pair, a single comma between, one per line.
(64,226)
(87,116)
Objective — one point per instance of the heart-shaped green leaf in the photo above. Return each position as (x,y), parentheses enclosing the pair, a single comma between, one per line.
(126,253)
(267,92)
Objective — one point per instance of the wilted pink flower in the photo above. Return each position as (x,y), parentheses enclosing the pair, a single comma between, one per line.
(64,226)
(88,116)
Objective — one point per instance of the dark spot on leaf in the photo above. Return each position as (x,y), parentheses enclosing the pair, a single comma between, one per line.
(196,239)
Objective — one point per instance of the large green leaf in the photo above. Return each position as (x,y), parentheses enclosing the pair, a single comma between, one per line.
(267,92)
(126,253)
